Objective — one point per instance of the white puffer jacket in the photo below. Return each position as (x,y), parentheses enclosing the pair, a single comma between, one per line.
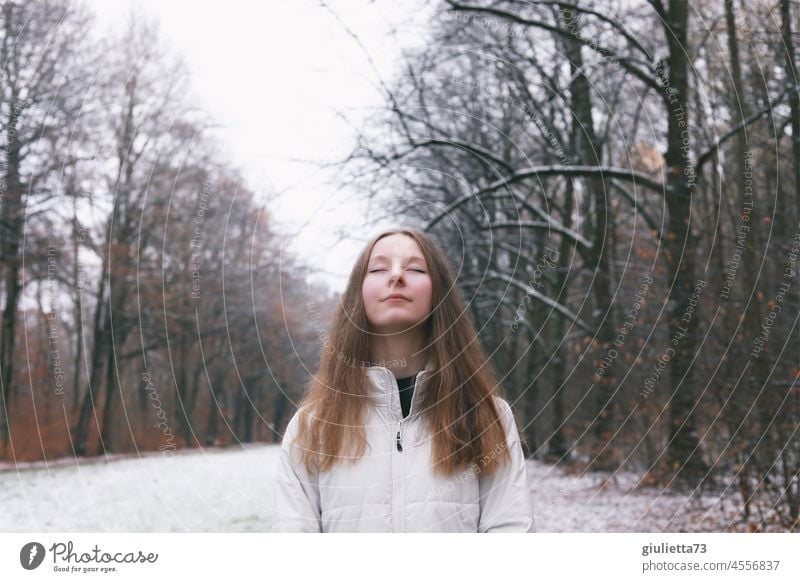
(392,487)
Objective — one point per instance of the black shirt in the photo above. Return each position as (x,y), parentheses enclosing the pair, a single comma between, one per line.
(406,386)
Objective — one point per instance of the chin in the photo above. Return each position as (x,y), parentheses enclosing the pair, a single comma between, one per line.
(394,326)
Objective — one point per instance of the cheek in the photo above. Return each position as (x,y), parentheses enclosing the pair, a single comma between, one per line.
(424,291)
(370,291)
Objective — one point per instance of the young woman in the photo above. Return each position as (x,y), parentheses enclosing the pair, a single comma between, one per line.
(403,428)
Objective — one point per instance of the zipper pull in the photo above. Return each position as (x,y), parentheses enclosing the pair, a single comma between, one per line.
(399,443)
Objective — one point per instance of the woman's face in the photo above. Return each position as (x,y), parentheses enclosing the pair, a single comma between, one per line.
(396,267)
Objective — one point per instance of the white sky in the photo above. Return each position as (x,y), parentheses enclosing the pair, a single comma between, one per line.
(275,74)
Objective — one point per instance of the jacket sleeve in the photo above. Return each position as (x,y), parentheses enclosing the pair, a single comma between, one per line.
(297,501)
(505,500)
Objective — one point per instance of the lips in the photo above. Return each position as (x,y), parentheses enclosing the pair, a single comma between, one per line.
(397,296)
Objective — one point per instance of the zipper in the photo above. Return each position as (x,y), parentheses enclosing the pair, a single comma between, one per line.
(399,436)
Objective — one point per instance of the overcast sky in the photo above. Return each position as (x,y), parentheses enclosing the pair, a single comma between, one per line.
(276,75)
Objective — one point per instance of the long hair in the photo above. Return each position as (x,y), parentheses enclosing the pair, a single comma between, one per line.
(457,400)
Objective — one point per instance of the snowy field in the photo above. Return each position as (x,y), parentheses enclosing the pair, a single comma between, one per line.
(605,503)
(228,490)
(212,490)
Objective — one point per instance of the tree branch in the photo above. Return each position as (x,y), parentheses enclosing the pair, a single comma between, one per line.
(631,197)
(553,304)
(555,170)
(549,226)
(740,126)
(605,52)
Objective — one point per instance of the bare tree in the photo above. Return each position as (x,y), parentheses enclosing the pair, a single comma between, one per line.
(44,51)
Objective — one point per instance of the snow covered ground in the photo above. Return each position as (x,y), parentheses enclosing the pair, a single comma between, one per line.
(212,490)
(604,503)
(228,490)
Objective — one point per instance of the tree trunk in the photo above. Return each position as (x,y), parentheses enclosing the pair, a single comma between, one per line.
(557,447)
(10,234)
(78,304)
(588,151)
(117,333)
(683,452)
(215,406)
(80,436)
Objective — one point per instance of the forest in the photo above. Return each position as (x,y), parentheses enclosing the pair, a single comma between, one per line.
(140,272)
(617,185)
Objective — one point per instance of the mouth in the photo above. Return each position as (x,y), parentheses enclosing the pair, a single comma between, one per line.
(397,298)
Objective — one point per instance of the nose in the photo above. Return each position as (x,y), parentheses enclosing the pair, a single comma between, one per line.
(396,270)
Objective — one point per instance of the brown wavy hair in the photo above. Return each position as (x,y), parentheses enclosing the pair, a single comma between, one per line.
(458,399)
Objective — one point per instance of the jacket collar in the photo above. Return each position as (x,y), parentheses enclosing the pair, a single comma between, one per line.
(387,393)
